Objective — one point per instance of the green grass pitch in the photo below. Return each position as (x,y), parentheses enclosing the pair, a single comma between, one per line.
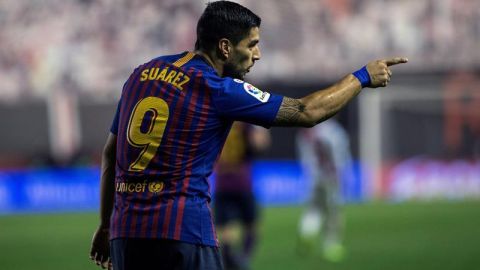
(423,236)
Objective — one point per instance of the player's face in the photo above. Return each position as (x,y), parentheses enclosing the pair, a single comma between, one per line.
(243,55)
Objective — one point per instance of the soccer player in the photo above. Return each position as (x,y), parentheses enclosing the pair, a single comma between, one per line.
(324,152)
(233,194)
(172,120)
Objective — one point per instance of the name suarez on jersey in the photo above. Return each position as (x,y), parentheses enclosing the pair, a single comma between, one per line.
(168,75)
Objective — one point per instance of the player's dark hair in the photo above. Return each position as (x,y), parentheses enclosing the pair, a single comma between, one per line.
(224,19)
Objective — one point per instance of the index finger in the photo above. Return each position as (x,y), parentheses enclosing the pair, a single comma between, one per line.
(396,60)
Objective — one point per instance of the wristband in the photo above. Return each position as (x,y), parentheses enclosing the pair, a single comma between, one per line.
(363,76)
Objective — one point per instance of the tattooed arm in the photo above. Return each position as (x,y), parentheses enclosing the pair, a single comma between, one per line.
(318,106)
(321,105)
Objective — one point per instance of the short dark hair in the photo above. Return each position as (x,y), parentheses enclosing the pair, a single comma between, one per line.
(224,19)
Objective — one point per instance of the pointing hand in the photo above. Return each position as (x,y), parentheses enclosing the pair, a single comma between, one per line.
(380,72)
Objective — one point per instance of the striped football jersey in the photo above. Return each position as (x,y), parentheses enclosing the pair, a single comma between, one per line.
(172,120)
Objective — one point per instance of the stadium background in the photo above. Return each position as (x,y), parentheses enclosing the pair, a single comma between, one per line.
(411,197)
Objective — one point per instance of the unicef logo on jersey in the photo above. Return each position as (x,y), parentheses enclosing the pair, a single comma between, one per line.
(255,92)
(155,187)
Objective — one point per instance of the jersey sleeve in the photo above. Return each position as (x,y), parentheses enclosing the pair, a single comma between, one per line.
(240,101)
(114,127)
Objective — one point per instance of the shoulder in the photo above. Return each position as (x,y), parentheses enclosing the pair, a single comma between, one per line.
(217,82)
(157,60)
(169,58)
(236,88)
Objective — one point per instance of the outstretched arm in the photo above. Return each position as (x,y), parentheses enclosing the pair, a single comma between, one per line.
(321,105)
(100,250)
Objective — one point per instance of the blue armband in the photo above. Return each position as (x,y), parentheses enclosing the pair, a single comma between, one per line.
(363,76)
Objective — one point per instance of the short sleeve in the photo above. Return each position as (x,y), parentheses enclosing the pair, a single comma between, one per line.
(240,101)
(114,127)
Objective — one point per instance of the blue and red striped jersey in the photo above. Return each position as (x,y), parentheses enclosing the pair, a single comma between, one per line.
(172,120)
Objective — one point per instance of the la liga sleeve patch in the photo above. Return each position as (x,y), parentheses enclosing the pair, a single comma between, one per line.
(254,91)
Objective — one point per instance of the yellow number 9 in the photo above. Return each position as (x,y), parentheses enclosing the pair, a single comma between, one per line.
(151,138)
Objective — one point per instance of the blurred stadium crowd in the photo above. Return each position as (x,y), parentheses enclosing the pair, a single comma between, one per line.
(84,46)
(90,47)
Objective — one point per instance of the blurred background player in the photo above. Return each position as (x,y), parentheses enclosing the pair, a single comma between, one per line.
(233,196)
(324,153)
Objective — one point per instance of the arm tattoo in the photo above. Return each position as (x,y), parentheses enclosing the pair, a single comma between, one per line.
(289,112)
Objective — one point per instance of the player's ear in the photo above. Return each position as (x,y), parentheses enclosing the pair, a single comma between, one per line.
(225,47)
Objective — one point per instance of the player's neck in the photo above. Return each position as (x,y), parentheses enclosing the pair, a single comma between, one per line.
(213,61)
